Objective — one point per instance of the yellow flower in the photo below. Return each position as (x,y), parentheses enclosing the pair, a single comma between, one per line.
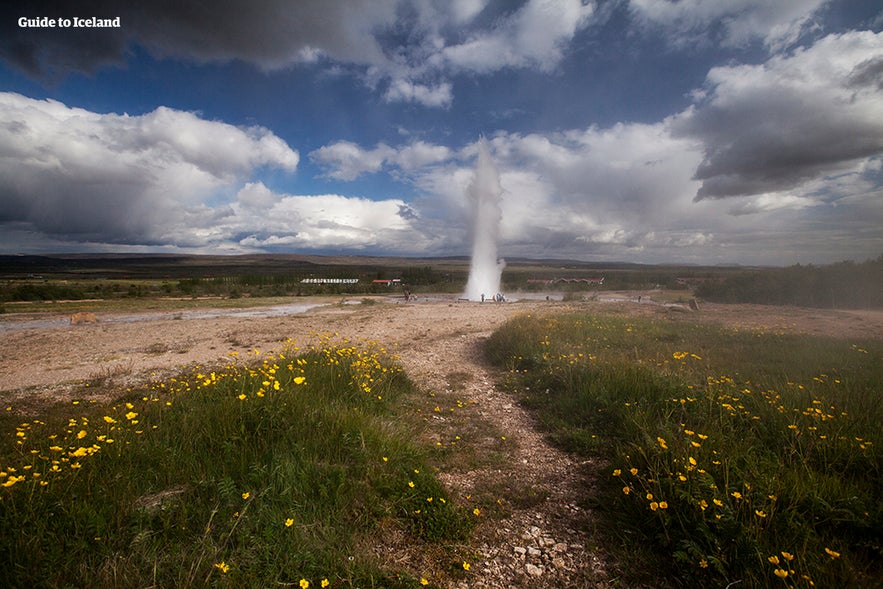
(304,584)
(654,506)
(736,494)
(773,559)
(634,471)
(466,566)
(476,511)
(718,502)
(81,434)
(787,556)
(423,581)
(109,419)
(781,573)
(759,513)
(663,505)
(246,495)
(662,443)
(131,415)
(831,553)
(289,522)
(222,566)
(242,397)
(703,564)
(299,379)
(411,484)
(626,490)
(324,583)
(617,472)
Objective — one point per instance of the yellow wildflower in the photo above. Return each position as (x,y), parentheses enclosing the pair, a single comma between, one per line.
(831,553)
(466,566)
(773,559)
(246,495)
(222,566)
(289,522)
(304,584)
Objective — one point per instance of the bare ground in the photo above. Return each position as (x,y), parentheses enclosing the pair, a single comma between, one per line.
(537,535)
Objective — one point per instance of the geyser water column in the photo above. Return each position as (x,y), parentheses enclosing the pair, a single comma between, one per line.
(484,197)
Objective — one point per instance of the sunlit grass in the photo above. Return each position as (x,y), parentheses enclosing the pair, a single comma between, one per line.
(733,456)
(269,471)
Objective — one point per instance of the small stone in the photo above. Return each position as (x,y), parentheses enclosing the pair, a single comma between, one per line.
(560,547)
(558,563)
(533,551)
(533,570)
(520,550)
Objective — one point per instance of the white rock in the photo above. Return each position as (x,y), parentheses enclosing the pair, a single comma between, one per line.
(533,570)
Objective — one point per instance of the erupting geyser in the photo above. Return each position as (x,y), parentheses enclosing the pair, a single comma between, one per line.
(484,196)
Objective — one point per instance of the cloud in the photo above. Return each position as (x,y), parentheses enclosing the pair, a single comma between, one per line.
(325,222)
(345,160)
(777,126)
(271,34)
(534,36)
(407,49)
(731,23)
(71,172)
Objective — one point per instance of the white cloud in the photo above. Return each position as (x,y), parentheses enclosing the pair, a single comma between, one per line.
(777,24)
(534,36)
(404,90)
(347,161)
(116,177)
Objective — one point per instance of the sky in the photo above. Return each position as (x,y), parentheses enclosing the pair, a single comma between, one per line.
(650,131)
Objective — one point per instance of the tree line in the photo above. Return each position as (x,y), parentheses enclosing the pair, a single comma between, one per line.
(843,285)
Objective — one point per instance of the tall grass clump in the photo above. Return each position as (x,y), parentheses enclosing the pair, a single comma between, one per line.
(733,457)
(269,471)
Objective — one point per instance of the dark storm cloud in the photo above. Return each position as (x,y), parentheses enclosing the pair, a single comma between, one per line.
(270,33)
(776,126)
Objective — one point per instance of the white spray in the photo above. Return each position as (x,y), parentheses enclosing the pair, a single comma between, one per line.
(484,195)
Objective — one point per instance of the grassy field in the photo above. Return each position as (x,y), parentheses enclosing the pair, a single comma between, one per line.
(734,458)
(274,470)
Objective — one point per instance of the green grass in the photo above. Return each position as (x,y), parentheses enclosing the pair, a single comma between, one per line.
(732,456)
(265,472)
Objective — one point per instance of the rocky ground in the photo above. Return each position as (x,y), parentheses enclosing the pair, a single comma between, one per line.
(545,538)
